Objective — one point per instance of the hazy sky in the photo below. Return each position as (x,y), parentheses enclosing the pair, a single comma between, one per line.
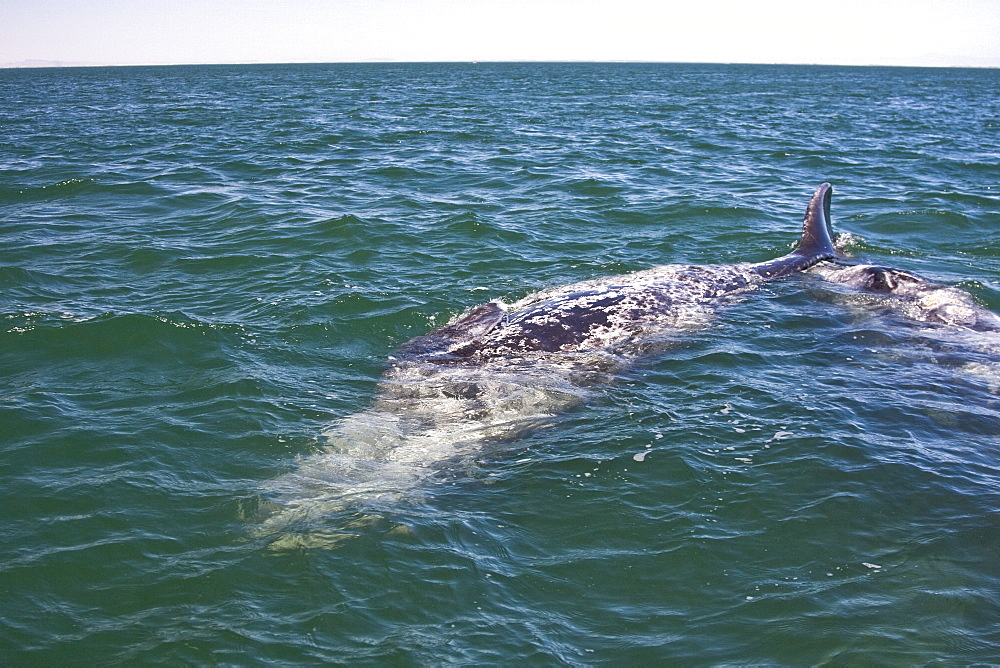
(852,32)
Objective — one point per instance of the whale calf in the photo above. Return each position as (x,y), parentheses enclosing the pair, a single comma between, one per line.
(916,297)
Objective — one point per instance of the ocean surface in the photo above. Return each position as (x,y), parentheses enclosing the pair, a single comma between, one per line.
(205,269)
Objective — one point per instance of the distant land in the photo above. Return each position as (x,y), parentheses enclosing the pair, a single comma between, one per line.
(49,63)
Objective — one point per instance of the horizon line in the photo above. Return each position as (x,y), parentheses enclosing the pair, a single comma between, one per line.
(36,63)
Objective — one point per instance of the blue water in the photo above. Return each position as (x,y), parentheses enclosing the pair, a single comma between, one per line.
(204,268)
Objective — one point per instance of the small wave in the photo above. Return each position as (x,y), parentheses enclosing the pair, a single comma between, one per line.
(48,192)
(848,243)
(114,336)
(100,184)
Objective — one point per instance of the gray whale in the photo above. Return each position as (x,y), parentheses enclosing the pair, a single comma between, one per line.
(499,371)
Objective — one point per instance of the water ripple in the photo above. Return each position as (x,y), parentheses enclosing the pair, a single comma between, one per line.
(202,268)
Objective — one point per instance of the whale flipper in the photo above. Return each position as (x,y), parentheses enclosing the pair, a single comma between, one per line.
(815,244)
(816,240)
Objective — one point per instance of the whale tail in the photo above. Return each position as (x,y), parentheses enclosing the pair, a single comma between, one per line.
(816,243)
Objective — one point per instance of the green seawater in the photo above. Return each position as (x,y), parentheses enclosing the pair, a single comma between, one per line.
(203,268)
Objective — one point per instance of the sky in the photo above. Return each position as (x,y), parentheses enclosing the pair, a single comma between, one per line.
(839,32)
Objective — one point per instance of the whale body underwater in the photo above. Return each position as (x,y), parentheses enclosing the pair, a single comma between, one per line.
(498,372)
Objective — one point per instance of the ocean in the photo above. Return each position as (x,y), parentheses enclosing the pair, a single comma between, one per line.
(205,269)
